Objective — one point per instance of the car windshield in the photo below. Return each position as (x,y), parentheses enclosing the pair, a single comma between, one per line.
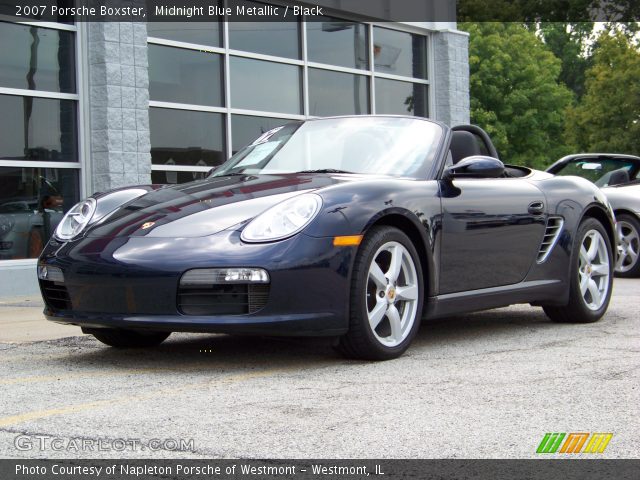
(365,145)
(602,171)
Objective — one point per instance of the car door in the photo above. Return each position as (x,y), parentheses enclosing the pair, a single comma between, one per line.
(491,232)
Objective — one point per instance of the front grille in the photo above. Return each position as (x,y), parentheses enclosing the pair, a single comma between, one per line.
(551,235)
(55,295)
(222,299)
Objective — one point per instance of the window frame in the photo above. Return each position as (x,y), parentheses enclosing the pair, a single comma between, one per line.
(82,116)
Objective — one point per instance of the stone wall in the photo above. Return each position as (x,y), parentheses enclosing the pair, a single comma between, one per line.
(119,105)
(451,82)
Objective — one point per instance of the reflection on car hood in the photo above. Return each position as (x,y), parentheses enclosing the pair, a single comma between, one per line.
(208,206)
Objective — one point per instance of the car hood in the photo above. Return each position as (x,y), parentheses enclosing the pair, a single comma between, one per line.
(208,206)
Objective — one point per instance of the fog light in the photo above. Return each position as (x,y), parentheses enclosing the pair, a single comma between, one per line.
(52,274)
(211,276)
(6,245)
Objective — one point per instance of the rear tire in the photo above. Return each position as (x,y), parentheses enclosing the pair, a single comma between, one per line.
(591,276)
(628,265)
(386,297)
(129,338)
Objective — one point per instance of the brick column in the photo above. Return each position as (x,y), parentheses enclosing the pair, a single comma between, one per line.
(119,105)
(451,77)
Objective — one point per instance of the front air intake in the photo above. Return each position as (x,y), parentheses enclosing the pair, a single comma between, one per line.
(230,299)
(551,235)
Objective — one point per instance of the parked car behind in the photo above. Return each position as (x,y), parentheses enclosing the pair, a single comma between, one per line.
(618,177)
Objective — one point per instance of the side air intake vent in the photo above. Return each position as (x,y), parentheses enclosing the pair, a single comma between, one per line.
(551,235)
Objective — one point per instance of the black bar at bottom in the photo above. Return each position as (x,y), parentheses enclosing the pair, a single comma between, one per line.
(547,469)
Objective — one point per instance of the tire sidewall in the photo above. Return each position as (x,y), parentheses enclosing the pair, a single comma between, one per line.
(635,270)
(576,298)
(366,255)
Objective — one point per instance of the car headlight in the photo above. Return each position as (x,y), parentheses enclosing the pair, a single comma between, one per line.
(283,220)
(76,219)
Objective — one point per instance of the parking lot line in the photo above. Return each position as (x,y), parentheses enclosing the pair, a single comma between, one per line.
(39,414)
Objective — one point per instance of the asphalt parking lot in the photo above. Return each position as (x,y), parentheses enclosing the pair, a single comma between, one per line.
(486,385)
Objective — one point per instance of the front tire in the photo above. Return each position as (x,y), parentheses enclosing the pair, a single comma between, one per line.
(628,265)
(128,338)
(591,276)
(386,297)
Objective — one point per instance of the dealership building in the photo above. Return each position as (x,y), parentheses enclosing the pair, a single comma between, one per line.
(90,106)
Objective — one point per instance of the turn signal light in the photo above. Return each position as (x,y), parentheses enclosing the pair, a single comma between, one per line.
(347,241)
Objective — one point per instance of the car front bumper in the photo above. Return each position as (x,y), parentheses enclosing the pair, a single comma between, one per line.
(133,283)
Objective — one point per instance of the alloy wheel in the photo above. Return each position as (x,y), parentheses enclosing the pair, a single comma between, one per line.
(392,294)
(593,270)
(628,246)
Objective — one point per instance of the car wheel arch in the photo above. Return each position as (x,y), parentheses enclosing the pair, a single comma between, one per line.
(412,228)
(599,213)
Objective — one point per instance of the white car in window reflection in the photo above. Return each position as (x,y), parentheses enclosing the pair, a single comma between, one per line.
(26,224)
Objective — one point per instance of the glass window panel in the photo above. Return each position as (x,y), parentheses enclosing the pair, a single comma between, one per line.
(268,86)
(172,177)
(336,93)
(201,33)
(38,129)
(32,203)
(245,129)
(183,137)
(401,98)
(281,39)
(338,42)
(185,76)
(399,53)
(37,58)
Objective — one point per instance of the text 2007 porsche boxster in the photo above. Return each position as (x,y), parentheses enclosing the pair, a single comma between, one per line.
(353,227)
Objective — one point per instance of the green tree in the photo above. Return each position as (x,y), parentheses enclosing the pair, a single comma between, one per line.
(608,116)
(515,93)
(569,42)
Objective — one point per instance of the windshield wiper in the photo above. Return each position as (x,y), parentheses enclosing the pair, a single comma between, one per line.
(324,170)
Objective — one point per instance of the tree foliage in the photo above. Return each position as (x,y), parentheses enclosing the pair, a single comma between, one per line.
(515,93)
(608,116)
(569,42)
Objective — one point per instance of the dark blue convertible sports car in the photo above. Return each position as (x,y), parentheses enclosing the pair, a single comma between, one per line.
(352,227)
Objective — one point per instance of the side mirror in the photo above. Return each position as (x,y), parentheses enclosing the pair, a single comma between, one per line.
(478,166)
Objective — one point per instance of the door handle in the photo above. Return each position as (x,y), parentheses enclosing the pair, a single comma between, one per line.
(536,208)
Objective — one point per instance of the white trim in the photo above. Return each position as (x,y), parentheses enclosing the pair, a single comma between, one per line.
(35,23)
(372,68)
(305,67)
(179,168)
(431,74)
(186,106)
(38,164)
(22,92)
(84,112)
(228,134)
(266,58)
(336,68)
(262,113)
(189,46)
(21,262)
(223,110)
(400,78)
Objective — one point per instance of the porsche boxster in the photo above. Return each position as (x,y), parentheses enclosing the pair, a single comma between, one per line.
(350,227)
(619,177)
